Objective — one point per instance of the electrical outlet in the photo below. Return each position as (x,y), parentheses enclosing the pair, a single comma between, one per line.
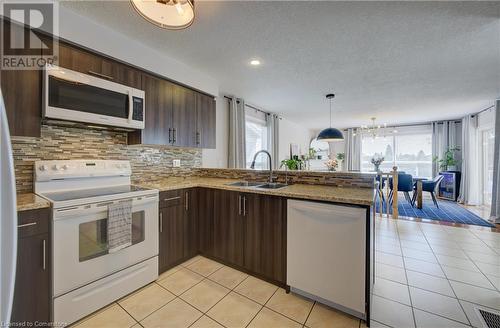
(177,163)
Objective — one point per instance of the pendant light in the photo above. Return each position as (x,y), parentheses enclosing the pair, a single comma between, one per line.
(330,134)
(168,14)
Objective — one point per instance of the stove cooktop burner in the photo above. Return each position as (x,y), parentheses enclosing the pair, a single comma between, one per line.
(62,196)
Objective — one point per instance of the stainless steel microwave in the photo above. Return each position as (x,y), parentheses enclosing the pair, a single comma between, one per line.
(75,96)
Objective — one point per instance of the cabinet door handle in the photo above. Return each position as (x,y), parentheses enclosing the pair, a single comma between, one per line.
(239,205)
(161,222)
(107,77)
(244,205)
(169,135)
(172,198)
(175,135)
(186,205)
(26,225)
(198,138)
(44,254)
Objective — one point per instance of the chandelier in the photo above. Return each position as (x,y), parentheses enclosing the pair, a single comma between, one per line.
(376,130)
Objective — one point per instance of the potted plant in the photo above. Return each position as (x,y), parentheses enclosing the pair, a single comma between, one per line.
(312,153)
(291,164)
(340,158)
(448,162)
(332,164)
(376,161)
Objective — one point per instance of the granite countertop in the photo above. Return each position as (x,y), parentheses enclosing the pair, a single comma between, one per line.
(348,195)
(30,201)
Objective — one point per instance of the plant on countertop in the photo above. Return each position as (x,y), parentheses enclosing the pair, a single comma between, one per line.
(332,164)
(291,164)
(340,156)
(448,160)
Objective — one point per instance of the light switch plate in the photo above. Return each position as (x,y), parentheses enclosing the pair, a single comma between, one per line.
(177,163)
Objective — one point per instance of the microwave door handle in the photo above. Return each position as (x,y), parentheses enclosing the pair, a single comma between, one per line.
(130,106)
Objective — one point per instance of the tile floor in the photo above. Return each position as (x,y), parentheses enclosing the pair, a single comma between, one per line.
(427,275)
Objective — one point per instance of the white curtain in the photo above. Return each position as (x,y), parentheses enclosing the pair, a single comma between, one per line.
(470,183)
(495,199)
(273,126)
(444,136)
(353,149)
(237,147)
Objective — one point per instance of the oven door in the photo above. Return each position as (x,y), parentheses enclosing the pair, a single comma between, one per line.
(74,96)
(80,243)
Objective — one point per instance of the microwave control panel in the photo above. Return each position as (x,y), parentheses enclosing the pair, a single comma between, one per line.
(138,109)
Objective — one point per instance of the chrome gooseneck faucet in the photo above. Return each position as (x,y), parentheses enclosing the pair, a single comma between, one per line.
(270,163)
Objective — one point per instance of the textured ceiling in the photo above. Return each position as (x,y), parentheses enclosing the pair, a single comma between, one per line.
(402,62)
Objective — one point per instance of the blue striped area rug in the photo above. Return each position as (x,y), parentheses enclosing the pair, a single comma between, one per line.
(448,211)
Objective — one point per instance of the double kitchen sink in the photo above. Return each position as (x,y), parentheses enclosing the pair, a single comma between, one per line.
(262,185)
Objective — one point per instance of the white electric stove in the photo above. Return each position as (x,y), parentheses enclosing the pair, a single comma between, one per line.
(86,276)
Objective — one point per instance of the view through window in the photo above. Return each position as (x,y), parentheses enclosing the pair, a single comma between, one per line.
(410,149)
(256,139)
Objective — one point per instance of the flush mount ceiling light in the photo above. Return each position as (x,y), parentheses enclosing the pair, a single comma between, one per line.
(330,134)
(255,62)
(168,14)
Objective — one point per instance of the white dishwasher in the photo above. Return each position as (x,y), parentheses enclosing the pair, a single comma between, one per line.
(326,254)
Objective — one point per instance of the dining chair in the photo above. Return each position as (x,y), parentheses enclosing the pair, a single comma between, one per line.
(405,185)
(430,186)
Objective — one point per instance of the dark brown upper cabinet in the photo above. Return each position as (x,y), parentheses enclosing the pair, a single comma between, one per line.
(158,113)
(89,63)
(21,90)
(205,121)
(184,117)
(176,116)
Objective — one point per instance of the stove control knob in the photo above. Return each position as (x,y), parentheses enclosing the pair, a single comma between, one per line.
(43,168)
(65,167)
(57,167)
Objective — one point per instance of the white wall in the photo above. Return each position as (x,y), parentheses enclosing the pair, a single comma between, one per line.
(88,33)
(218,157)
(291,132)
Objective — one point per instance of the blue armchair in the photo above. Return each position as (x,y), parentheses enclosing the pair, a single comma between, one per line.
(430,186)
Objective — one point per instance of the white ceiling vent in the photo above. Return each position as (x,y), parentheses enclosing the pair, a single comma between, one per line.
(489,318)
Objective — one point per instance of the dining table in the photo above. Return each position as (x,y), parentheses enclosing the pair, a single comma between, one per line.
(416,180)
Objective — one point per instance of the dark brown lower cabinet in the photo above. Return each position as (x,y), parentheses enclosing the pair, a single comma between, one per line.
(190,207)
(178,227)
(228,227)
(265,231)
(206,224)
(33,273)
(244,230)
(172,226)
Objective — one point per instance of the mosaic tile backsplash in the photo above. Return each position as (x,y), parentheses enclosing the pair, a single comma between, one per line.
(337,179)
(61,142)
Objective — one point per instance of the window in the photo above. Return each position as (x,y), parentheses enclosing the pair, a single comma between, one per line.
(256,138)
(410,149)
